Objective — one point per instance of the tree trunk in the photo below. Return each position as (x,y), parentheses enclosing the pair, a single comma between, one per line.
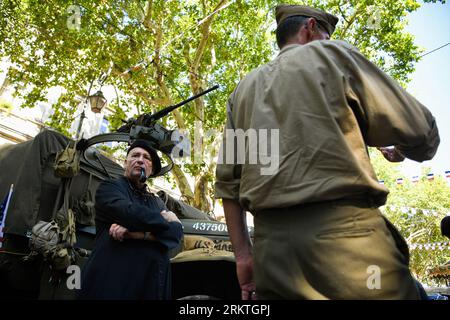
(183,184)
(201,199)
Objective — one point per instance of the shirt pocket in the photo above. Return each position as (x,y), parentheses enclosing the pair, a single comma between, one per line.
(345,233)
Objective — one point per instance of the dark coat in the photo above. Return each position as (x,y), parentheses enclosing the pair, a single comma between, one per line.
(131,269)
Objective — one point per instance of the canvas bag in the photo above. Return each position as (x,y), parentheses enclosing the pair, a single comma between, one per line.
(84,207)
(54,240)
(45,238)
(67,161)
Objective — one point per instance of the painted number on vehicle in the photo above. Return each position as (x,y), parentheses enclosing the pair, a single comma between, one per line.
(205,226)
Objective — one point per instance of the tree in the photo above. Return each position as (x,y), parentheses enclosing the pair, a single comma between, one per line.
(5,105)
(184,47)
(416,209)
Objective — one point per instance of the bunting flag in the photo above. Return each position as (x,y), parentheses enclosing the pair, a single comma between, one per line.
(3,211)
(430,246)
(416,179)
(413,211)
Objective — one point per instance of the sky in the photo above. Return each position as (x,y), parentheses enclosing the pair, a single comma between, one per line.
(430,83)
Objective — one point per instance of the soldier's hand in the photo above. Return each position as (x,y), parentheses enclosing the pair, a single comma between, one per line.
(244,268)
(391,154)
(170,216)
(117,232)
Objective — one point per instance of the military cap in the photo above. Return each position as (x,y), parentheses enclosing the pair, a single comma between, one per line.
(144,144)
(326,20)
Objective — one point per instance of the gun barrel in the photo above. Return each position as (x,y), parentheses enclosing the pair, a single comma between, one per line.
(158,115)
(195,97)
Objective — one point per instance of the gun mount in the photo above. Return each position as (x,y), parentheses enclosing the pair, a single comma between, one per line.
(145,127)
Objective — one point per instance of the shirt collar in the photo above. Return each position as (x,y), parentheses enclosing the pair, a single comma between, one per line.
(289,47)
(143,190)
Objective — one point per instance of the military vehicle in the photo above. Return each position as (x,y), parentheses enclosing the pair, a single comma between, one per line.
(203,265)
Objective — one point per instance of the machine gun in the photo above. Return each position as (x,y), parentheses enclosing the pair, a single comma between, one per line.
(144,127)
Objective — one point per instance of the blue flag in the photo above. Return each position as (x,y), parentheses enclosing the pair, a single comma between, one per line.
(4,207)
(3,211)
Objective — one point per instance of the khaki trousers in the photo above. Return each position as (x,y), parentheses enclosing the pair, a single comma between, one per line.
(331,250)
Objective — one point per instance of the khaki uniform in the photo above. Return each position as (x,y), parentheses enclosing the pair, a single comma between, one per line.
(331,250)
(328,102)
(318,232)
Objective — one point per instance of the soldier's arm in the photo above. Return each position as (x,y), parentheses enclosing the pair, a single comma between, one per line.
(240,240)
(228,178)
(387,114)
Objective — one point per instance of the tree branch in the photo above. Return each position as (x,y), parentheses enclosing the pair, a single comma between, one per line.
(342,13)
(350,22)
(200,200)
(148,16)
(182,183)
(205,35)
(416,234)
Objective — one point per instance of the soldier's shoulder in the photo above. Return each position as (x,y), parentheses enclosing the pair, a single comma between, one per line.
(335,45)
(246,81)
